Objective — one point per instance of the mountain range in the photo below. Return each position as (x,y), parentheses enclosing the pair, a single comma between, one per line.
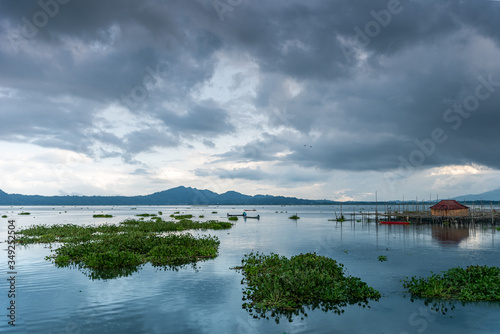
(493,195)
(175,196)
(192,196)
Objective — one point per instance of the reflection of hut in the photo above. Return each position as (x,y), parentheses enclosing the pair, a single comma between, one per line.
(449,208)
(449,235)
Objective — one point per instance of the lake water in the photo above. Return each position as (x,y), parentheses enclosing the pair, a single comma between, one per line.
(208,298)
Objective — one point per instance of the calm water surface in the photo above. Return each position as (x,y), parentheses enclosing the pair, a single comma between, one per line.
(208,298)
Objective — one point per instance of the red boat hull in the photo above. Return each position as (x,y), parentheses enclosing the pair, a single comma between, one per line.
(395,223)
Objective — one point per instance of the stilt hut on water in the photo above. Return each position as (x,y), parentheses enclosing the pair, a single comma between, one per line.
(449,208)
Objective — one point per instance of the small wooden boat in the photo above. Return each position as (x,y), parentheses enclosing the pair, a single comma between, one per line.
(253,217)
(250,210)
(394,223)
(243,215)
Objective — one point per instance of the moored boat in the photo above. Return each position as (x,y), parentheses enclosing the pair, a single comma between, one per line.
(394,223)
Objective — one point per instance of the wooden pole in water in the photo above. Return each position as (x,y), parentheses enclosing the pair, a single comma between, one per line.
(472,214)
(491,207)
(376,207)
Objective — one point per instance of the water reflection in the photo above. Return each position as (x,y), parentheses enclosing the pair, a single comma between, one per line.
(440,306)
(210,301)
(449,235)
(301,312)
(111,273)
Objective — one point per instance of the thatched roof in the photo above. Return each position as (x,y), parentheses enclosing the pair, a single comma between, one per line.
(449,205)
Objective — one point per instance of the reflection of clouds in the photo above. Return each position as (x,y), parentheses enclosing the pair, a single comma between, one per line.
(481,237)
(209,301)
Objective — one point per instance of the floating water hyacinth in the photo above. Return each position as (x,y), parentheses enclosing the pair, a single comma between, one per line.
(109,251)
(284,286)
(475,283)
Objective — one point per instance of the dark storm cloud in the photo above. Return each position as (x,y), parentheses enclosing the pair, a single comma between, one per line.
(203,118)
(376,77)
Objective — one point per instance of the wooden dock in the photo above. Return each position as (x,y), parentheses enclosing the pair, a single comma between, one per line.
(425,217)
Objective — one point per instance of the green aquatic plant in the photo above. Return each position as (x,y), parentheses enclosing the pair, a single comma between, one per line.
(281,285)
(382,258)
(102,216)
(214,212)
(109,251)
(159,226)
(121,254)
(233,218)
(179,217)
(76,233)
(146,215)
(475,283)
(24,213)
(340,220)
(160,213)
(295,217)
(4,216)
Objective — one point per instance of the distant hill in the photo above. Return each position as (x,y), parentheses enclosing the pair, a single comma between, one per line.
(493,195)
(175,196)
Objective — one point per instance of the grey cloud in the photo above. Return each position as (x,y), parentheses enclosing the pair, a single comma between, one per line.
(361,114)
(246,173)
(146,140)
(205,118)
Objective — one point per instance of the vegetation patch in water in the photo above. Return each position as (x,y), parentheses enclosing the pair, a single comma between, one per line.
(146,215)
(75,233)
(109,251)
(4,216)
(295,217)
(475,283)
(233,218)
(180,217)
(284,286)
(102,216)
(382,258)
(122,254)
(24,213)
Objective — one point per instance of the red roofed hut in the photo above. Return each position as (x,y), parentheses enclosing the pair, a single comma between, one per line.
(449,208)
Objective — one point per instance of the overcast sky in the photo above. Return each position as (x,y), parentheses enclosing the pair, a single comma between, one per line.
(331,99)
